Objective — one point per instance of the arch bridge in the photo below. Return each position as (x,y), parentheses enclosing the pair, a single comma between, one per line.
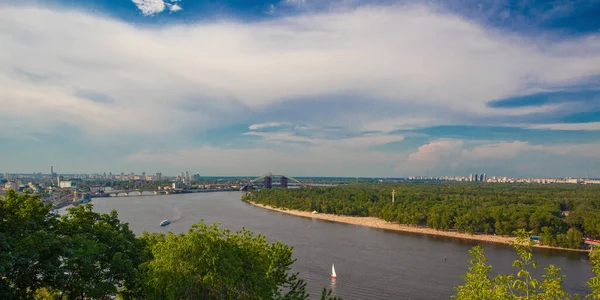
(267,181)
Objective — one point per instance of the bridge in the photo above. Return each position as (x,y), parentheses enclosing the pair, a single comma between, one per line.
(158,192)
(139,192)
(266,181)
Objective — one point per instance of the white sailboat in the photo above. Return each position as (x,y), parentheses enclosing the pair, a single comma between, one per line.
(333,272)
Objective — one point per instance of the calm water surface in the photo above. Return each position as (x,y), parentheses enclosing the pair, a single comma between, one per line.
(370,263)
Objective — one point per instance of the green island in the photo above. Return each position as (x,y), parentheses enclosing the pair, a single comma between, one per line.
(561,215)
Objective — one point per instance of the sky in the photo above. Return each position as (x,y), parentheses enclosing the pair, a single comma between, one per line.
(301,87)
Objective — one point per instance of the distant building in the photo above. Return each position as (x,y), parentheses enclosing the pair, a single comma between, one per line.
(67,184)
(470,177)
(481,178)
(476,178)
(12,185)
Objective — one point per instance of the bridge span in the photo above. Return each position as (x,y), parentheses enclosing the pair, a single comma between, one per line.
(284,182)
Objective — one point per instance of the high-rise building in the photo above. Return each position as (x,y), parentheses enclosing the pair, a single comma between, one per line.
(476,178)
(158,177)
(482,178)
(471,177)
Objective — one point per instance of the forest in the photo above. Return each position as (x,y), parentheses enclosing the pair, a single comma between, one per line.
(87,255)
(561,214)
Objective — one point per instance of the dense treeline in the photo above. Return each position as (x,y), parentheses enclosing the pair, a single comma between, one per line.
(560,214)
(87,255)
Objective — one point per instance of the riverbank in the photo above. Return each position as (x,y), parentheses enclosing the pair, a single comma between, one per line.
(379,223)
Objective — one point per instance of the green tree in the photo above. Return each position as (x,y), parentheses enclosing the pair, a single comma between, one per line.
(520,286)
(548,237)
(30,250)
(478,285)
(594,282)
(574,238)
(524,282)
(213,263)
(102,253)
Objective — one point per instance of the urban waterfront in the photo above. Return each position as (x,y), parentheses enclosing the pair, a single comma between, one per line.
(370,263)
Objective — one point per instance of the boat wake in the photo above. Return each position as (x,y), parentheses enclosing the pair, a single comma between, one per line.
(177,214)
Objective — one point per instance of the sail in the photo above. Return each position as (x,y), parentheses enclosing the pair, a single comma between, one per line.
(333,271)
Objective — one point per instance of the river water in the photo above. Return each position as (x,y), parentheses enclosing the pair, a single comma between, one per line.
(370,263)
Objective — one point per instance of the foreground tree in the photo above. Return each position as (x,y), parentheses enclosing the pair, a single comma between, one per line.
(477,283)
(213,263)
(520,286)
(82,254)
(102,253)
(594,282)
(30,248)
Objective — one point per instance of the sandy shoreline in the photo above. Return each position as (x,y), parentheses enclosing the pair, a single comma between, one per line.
(379,223)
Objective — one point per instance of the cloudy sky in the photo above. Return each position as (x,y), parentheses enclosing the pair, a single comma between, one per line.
(301,87)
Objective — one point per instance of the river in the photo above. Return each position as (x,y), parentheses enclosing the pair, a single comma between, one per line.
(370,263)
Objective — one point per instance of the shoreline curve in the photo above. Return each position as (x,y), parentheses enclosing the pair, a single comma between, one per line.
(382,224)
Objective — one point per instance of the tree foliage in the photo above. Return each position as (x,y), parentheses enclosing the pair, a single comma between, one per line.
(213,263)
(561,214)
(594,282)
(521,285)
(88,255)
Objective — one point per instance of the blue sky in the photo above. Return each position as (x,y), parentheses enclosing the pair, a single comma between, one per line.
(304,88)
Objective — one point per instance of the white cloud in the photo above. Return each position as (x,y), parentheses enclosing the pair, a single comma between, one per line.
(150,7)
(294,2)
(567,126)
(451,154)
(430,154)
(364,141)
(399,123)
(201,76)
(174,7)
(266,125)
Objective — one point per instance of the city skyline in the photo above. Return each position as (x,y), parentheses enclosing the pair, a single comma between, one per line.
(187,176)
(307,88)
